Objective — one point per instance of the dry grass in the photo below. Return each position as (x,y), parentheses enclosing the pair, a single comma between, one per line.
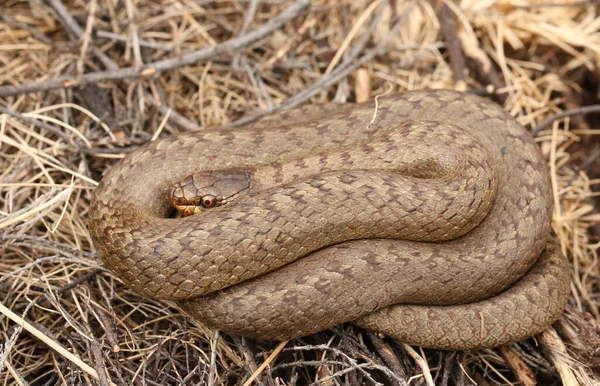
(68,321)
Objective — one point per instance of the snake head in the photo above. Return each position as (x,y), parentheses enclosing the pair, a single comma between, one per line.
(206,190)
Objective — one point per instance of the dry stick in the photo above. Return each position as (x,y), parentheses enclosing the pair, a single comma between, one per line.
(88,276)
(247,354)
(18,378)
(457,59)
(40,243)
(580,110)
(134,33)
(462,46)
(388,356)
(71,25)
(479,62)
(267,361)
(250,12)
(268,64)
(154,68)
(582,168)
(98,361)
(354,365)
(315,363)
(522,372)
(421,362)
(362,85)
(174,116)
(87,36)
(532,356)
(38,123)
(137,51)
(68,21)
(363,17)
(213,359)
(34,32)
(349,65)
(447,368)
(557,5)
(556,350)
(488,75)
(54,345)
(143,42)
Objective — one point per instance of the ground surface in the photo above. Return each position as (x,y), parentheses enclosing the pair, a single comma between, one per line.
(65,320)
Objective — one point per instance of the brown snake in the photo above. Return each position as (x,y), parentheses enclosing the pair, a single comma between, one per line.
(426,217)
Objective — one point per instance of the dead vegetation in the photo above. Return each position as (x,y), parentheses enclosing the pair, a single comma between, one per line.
(83,83)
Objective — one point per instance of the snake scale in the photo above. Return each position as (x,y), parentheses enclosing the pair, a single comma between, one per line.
(424,216)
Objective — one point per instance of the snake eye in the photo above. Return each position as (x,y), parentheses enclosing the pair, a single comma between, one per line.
(208,201)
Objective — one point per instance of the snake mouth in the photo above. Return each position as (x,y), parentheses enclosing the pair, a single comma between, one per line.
(180,211)
(199,192)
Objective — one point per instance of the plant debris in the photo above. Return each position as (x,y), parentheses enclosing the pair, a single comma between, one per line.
(84,83)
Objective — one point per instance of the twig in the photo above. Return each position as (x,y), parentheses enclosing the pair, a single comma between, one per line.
(267,362)
(268,64)
(447,366)
(143,42)
(51,343)
(388,355)
(349,65)
(41,299)
(34,32)
(154,68)
(174,117)
(362,85)
(557,353)
(576,111)
(213,359)
(250,12)
(133,33)
(137,51)
(531,355)
(557,5)
(18,378)
(354,365)
(582,168)
(71,25)
(96,354)
(448,28)
(45,245)
(522,372)
(421,362)
(38,123)
(361,20)
(47,259)
(485,71)
(315,363)
(246,352)
(87,37)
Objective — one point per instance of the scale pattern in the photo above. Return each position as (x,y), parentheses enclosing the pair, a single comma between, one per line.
(426,217)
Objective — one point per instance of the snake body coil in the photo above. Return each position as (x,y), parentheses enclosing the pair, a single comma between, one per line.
(426,217)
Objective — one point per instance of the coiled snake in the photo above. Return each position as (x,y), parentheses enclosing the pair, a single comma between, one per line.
(425,217)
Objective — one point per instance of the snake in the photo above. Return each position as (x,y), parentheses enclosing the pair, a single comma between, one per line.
(424,216)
